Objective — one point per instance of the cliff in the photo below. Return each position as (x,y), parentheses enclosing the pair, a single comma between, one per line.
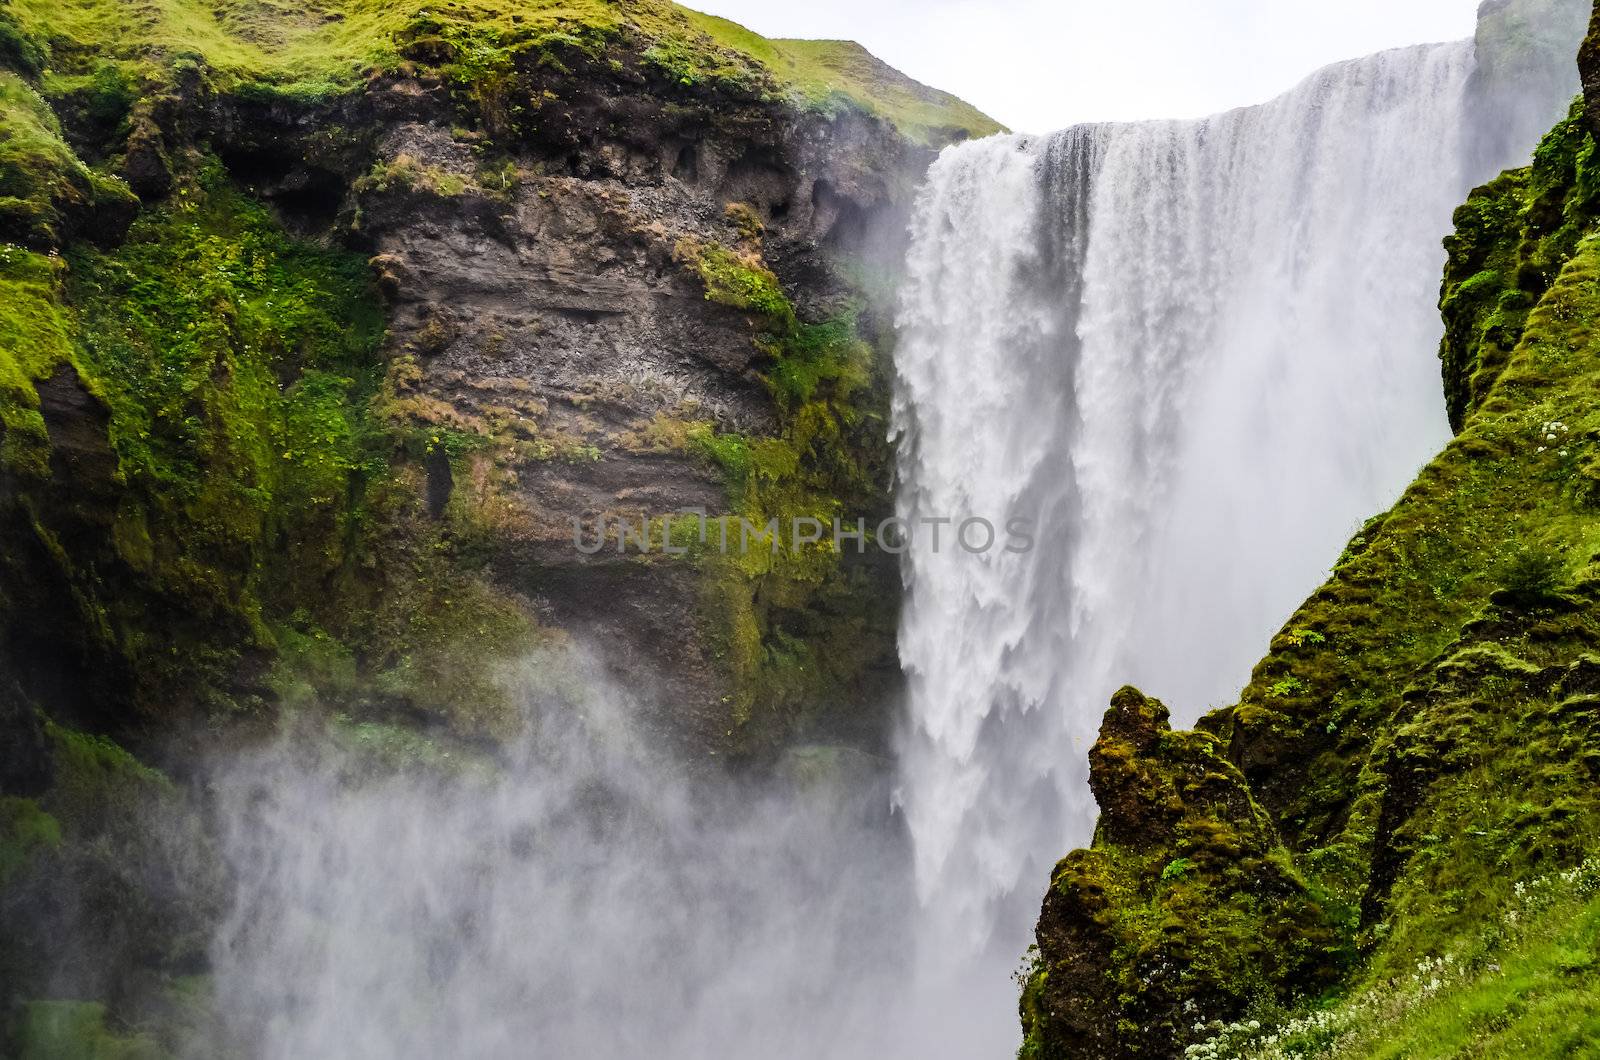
(322,324)
(352,309)
(1387,847)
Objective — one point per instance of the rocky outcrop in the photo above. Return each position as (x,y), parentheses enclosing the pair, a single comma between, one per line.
(1524,48)
(1589,68)
(1187,911)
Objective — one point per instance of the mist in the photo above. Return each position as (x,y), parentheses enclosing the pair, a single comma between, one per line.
(580,895)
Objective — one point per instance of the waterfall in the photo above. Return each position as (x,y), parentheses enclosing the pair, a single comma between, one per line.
(1194,355)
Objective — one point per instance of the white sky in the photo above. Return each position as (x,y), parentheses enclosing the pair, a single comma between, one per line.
(1039,65)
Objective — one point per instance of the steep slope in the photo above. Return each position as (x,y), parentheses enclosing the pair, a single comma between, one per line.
(1420,737)
(832,73)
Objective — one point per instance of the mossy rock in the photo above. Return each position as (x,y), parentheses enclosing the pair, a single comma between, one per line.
(1187,910)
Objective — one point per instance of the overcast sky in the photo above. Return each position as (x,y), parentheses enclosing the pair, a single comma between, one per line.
(1039,65)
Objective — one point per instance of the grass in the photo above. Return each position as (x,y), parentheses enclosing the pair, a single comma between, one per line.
(1529,991)
(319,46)
(826,74)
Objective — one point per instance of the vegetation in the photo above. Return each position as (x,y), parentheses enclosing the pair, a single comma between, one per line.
(796,622)
(324,47)
(107,893)
(831,75)
(1530,991)
(52,1029)
(1187,904)
(42,183)
(255,506)
(1511,239)
(254,465)
(219,472)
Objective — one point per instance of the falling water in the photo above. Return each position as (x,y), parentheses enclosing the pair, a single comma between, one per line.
(1194,355)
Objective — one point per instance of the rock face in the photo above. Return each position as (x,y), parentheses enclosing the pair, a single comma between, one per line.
(1589,66)
(613,258)
(1515,40)
(1415,754)
(548,308)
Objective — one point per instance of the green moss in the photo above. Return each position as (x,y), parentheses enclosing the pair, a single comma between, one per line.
(25,830)
(35,337)
(1187,910)
(1511,238)
(1425,731)
(106,887)
(76,1030)
(233,363)
(314,50)
(43,185)
(832,75)
(403,172)
(795,626)
(263,471)
(1514,484)
(1529,991)
(1536,997)
(741,281)
(93,776)
(18,51)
